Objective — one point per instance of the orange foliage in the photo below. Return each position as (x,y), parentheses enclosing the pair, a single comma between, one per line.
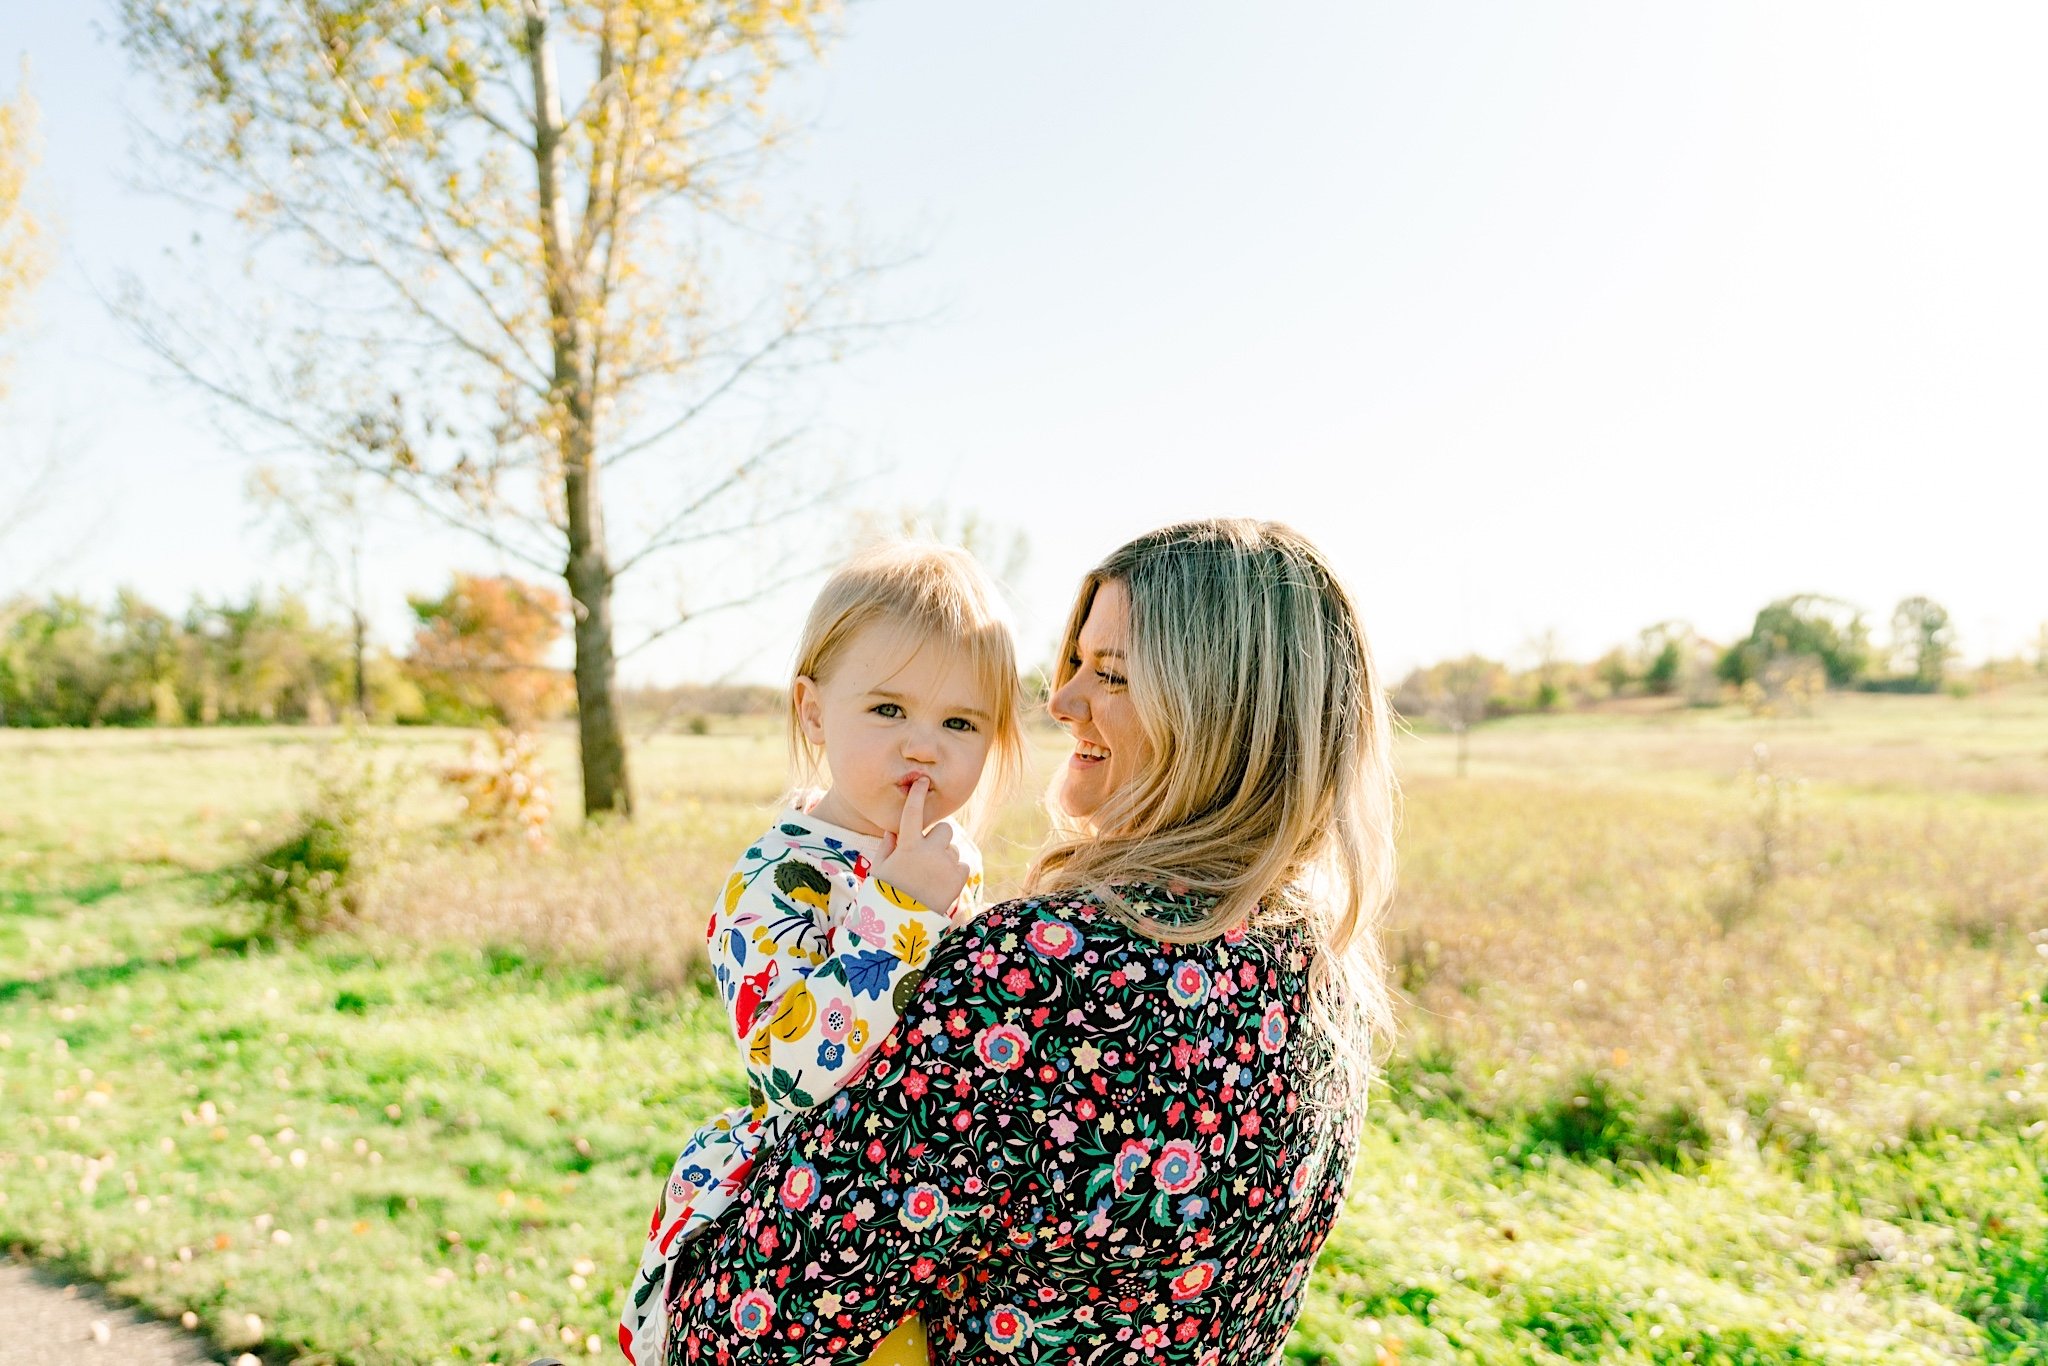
(481,650)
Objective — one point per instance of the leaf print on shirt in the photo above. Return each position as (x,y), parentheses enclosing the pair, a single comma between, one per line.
(799,881)
(911,943)
(793,1013)
(868,974)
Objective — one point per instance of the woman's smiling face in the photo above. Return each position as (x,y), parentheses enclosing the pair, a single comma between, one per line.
(1110,748)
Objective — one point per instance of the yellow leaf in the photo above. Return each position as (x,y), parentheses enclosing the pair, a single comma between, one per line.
(733,887)
(910,943)
(793,1013)
(757,1047)
(898,898)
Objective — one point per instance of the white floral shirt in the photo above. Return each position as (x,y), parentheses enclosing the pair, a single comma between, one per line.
(815,958)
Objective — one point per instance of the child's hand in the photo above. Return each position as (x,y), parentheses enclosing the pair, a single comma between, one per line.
(923,863)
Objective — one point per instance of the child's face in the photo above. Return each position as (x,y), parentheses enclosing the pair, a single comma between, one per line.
(892,707)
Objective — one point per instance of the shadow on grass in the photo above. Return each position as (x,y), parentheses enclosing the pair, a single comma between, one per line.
(91,892)
(94,975)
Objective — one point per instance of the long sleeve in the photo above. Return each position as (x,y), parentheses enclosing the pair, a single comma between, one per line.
(814,958)
(876,1199)
(814,953)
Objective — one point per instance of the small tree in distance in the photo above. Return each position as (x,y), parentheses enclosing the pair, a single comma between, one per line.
(1456,694)
(1923,639)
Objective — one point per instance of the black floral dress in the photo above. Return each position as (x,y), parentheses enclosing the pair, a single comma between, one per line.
(1079,1144)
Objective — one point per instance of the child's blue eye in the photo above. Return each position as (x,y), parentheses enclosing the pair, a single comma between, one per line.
(959,723)
(888,709)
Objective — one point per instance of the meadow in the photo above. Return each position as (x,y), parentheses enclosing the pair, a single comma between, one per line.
(1710,1052)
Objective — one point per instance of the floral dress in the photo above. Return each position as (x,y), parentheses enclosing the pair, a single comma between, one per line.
(815,958)
(1079,1144)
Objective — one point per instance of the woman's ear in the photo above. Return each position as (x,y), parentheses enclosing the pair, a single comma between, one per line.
(810,708)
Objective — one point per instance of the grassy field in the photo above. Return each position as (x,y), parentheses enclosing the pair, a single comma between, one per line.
(1708,1055)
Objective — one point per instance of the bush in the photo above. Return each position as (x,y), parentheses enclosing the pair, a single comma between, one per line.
(324,871)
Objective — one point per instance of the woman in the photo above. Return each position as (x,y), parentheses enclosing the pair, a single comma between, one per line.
(1117,1118)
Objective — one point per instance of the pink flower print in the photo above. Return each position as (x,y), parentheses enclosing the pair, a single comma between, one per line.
(1001,1047)
(1007,1328)
(753,1313)
(835,1020)
(1179,1167)
(1063,1129)
(799,1186)
(923,1206)
(1273,1029)
(1131,1159)
(1194,1280)
(1051,938)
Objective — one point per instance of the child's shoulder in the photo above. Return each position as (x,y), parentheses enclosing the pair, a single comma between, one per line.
(793,836)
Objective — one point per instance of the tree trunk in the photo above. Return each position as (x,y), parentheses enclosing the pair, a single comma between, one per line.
(600,737)
(601,740)
(362,683)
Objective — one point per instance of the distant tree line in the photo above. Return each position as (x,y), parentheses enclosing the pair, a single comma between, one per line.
(479,654)
(1797,648)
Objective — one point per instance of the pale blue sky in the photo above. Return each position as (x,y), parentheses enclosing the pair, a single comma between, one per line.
(1572,316)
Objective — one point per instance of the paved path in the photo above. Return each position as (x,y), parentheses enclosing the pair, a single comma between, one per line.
(45,1321)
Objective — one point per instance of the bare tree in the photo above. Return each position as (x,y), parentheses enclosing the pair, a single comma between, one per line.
(1456,694)
(1546,649)
(521,278)
(326,517)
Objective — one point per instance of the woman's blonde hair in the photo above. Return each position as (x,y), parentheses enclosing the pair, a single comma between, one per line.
(930,594)
(1271,785)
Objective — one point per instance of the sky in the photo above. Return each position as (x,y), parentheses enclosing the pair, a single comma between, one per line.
(1568,318)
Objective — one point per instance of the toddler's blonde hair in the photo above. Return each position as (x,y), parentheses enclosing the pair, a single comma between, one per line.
(933,595)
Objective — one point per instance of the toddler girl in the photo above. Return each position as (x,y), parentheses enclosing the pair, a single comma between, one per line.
(906,686)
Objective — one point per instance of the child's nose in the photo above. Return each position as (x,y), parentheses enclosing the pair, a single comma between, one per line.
(920,746)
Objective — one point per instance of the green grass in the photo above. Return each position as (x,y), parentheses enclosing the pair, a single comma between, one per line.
(1625,1122)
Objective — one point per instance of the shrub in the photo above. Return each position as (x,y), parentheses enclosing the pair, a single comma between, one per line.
(505,791)
(324,871)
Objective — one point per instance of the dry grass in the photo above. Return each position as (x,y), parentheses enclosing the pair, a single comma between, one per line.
(1556,931)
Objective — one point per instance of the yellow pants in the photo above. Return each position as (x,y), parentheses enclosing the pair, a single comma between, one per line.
(903,1347)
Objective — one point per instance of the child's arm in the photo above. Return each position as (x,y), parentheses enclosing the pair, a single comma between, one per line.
(811,973)
(909,1194)
(819,1032)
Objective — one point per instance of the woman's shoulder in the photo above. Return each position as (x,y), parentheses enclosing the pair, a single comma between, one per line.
(1083,924)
